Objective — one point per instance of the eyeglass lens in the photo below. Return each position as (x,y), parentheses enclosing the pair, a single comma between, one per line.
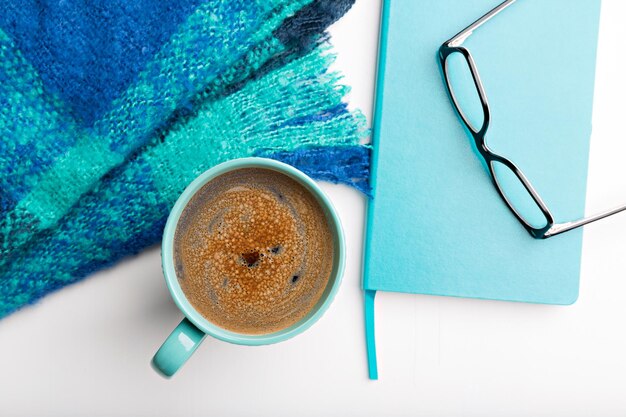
(464,91)
(517,196)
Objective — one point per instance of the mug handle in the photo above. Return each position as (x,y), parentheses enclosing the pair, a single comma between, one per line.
(177,348)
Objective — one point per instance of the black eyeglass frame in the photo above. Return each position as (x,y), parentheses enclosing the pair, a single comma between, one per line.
(453,46)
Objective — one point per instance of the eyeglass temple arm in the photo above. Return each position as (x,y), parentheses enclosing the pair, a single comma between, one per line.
(460,37)
(564,227)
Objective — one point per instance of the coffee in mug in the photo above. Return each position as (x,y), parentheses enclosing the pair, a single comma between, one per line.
(253,251)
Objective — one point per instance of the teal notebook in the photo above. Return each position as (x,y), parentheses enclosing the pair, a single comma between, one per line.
(436,224)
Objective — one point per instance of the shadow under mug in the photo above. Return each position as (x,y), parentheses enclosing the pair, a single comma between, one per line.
(185,338)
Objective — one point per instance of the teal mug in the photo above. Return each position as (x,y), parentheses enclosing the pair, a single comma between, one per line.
(186,338)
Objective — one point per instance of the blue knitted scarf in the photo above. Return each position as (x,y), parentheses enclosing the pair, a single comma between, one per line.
(109,109)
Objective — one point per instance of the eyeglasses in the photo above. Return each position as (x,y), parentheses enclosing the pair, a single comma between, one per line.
(510,182)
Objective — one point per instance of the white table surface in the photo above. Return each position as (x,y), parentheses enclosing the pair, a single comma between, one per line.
(86,349)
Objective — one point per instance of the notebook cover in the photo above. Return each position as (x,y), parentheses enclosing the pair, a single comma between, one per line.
(436,224)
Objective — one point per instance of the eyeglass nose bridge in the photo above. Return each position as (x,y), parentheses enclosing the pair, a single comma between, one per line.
(445,51)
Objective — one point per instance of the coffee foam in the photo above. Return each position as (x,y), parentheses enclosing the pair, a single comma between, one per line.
(253,251)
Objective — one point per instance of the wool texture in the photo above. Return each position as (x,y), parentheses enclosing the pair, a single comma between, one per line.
(88,175)
(206,47)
